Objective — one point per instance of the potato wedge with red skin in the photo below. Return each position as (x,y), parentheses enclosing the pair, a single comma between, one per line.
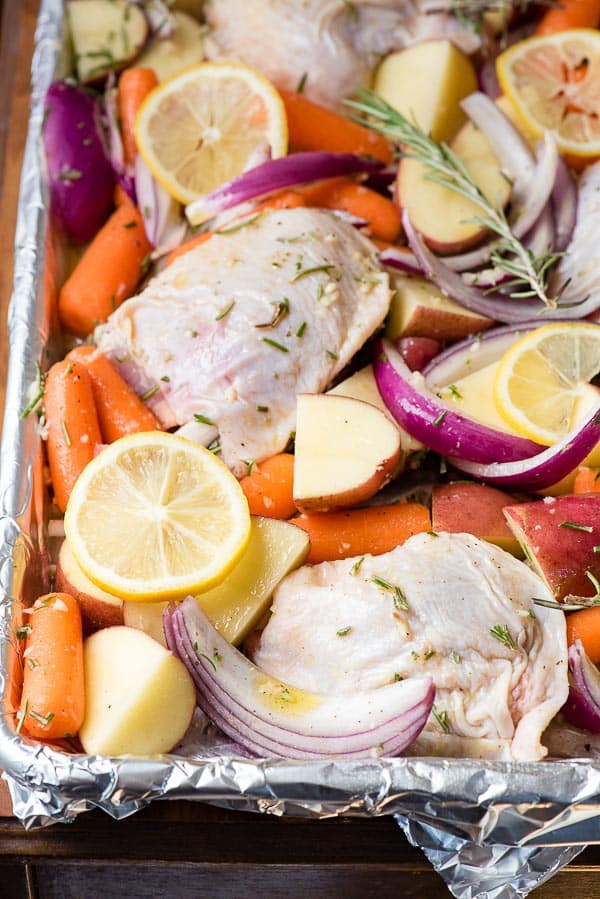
(98,608)
(560,536)
(467,507)
(418,309)
(346,450)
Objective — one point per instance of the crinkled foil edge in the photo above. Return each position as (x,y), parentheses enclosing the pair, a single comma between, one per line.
(514,823)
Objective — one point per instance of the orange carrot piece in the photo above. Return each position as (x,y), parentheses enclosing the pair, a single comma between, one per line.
(285,199)
(107,273)
(570,14)
(382,214)
(134,86)
(355,532)
(120,195)
(268,487)
(53,699)
(120,410)
(585,626)
(72,422)
(587,480)
(314,127)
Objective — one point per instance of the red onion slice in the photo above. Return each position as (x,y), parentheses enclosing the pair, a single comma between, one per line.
(544,469)
(164,226)
(271,718)
(115,144)
(429,420)
(583,705)
(512,151)
(495,305)
(403,260)
(276,174)
(472,354)
(564,206)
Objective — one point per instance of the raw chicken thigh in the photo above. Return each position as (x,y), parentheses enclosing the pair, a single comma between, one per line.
(447,605)
(331,44)
(236,327)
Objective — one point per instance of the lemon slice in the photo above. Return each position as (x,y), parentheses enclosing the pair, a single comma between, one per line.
(542,381)
(553,82)
(205,126)
(155,516)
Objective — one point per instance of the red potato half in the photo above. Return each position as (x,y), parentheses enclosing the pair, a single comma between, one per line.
(466,507)
(98,608)
(560,536)
(346,450)
(443,217)
(419,309)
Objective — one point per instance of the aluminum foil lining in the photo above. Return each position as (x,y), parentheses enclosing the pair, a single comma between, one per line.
(491,829)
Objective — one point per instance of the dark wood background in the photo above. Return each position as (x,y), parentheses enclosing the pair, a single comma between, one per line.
(185,849)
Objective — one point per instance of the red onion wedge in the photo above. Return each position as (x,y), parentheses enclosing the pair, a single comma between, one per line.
(564,206)
(165,228)
(276,174)
(79,172)
(472,354)
(583,705)
(544,469)
(429,420)
(495,305)
(402,259)
(271,718)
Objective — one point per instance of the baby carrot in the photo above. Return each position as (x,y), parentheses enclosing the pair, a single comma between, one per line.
(585,626)
(314,127)
(120,410)
(355,532)
(381,214)
(72,423)
(587,480)
(53,700)
(570,14)
(268,487)
(107,273)
(134,86)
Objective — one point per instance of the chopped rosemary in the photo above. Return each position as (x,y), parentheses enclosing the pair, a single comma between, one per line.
(166,379)
(301,329)
(331,355)
(397,677)
(233,228)
(250,463)
(41,380)
(400,601)
(529,272)
(596,549)
(204,420)
(303,272)
(23,632)
(437,421)
(275,345)
(455,657)
(69,175)
(429,654)
(356,567)
(442,718)
(225,311)
(130,225)
(343,631)
(302,83)
(65,432)
(21,717)
(262,408)
(577,527)
(43,720)
(280,311)
(455,391)
(150,392)
(501,633)
(208,659)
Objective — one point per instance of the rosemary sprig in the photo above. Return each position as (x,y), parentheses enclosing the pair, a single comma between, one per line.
(530,272)
(470,13)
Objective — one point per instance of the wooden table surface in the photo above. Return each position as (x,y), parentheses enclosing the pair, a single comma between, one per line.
(185,849)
